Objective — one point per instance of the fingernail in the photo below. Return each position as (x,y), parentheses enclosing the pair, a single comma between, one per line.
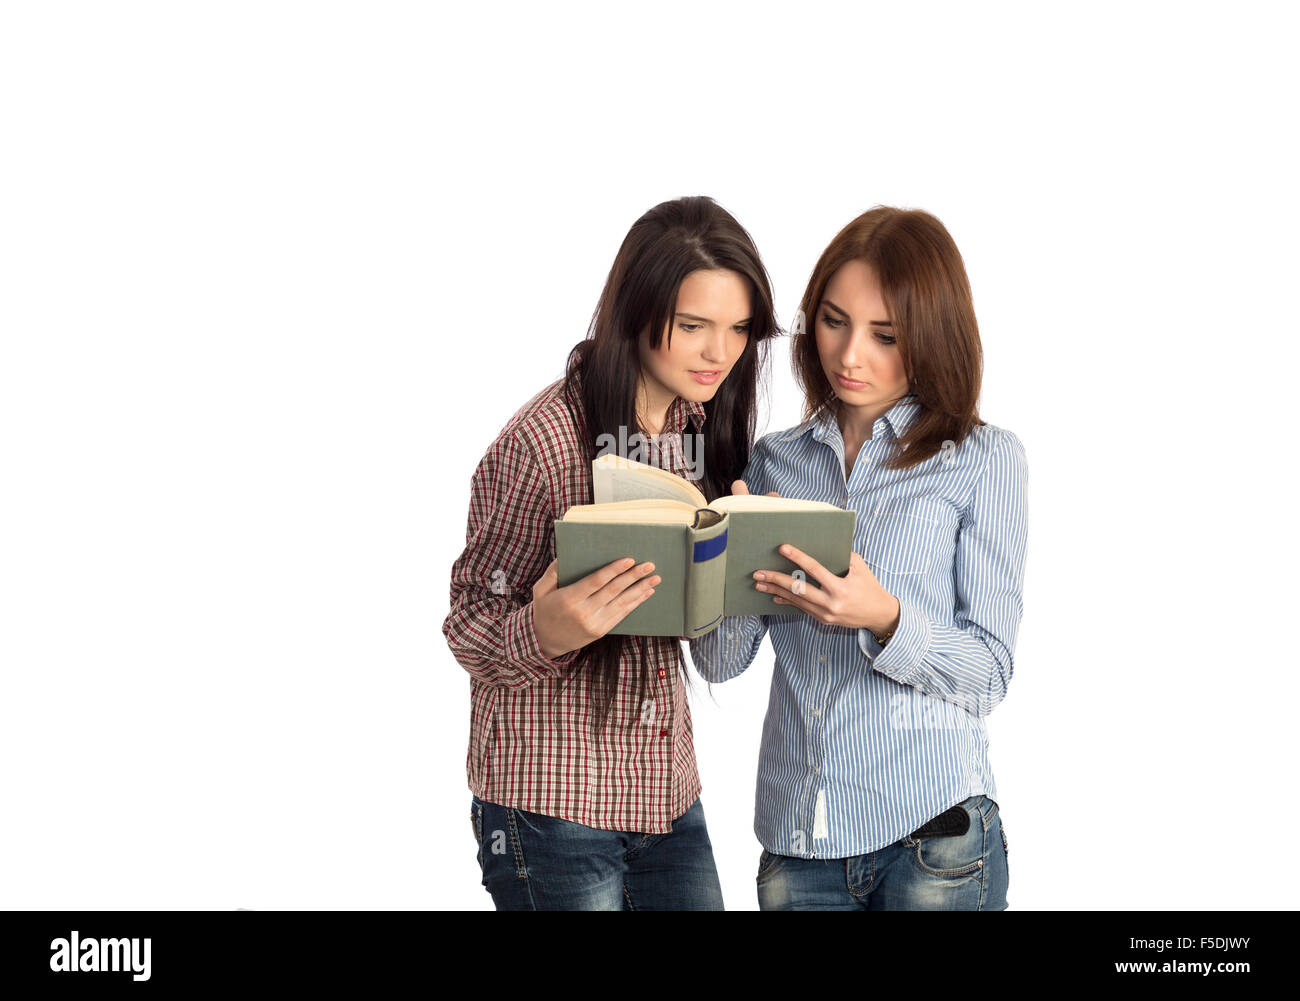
(758,575)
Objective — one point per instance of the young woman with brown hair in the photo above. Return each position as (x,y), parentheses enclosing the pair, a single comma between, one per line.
(874,786)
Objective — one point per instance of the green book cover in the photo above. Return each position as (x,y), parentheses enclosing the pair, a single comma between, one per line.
(704,554)
(689,559)
(826,536)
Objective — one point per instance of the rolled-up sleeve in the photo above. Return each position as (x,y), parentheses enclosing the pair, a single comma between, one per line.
(970,661)
(509,542)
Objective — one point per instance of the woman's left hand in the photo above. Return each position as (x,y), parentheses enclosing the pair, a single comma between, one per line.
(855,600)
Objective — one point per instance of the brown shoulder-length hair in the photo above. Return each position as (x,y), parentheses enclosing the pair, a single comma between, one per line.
(665,245)
(927,294)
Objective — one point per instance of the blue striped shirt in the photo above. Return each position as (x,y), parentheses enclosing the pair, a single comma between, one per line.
(863,744)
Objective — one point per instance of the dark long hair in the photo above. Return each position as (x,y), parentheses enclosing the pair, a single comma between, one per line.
(927,294)
(665,245)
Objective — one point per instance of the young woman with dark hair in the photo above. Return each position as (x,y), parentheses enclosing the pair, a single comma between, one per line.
(581,761)
(874,785)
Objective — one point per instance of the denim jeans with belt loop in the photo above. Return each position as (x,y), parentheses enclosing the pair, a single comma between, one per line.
(532,862)
(966,872)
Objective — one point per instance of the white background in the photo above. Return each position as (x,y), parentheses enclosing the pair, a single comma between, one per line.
(274,275)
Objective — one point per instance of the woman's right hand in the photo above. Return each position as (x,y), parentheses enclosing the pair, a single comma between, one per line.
(739,487)
(570,617)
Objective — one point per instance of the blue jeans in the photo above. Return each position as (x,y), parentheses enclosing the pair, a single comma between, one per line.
(532,862)
(965,872)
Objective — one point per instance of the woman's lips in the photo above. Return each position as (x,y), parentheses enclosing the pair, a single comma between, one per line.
(850,383)
(707,376)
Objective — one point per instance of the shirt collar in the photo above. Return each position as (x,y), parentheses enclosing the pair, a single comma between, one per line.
(679,412)
(896,420)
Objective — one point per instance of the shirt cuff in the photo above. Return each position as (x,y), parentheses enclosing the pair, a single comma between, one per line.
(722,653)
(901,656)
(523,648)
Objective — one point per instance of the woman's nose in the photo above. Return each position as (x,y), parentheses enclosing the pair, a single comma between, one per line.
(855,351)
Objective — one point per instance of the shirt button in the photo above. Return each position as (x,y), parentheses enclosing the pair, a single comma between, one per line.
(663,673)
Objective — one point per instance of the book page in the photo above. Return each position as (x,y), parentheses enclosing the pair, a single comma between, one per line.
(615,479)
(652,511)
(758,502)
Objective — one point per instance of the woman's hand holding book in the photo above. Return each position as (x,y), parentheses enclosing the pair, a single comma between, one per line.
(739,487)
(568,618)
(856,600)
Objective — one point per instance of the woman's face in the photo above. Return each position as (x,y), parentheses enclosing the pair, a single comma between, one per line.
(710,328)
(855,341)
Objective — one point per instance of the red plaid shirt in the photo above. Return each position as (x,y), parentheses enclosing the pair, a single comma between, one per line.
(530,742)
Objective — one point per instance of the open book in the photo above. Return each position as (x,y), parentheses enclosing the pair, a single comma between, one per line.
(706,554)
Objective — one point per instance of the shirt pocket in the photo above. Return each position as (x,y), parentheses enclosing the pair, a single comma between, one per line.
(903,536)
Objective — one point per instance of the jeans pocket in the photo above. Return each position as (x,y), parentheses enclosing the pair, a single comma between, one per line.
(953,856)
(766,863)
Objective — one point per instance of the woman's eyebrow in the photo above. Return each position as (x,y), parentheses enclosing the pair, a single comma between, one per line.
(702,319)
(874,323)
